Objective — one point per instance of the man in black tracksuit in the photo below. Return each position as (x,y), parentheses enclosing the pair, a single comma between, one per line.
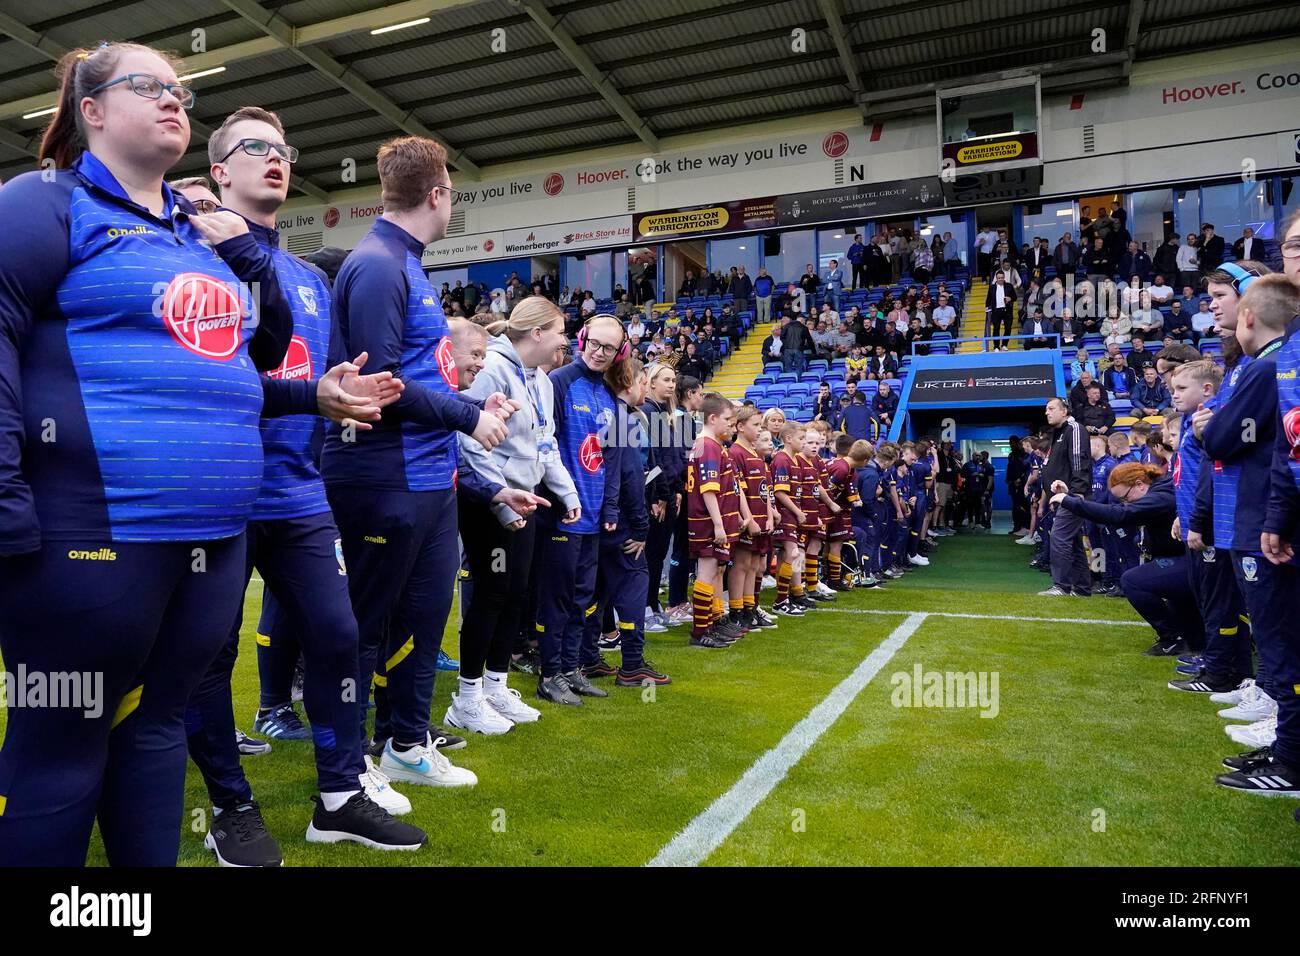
(1070,462)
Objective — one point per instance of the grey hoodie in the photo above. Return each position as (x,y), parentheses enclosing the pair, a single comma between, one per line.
(515,462)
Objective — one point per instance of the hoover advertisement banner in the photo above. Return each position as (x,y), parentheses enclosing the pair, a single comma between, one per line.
(859,202)
(1027,383)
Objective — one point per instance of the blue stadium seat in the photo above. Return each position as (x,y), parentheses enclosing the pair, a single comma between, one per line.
(787,377)
(811,376)
(773,368)
(764,379)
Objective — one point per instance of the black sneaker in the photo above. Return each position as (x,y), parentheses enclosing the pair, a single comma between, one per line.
(727,631)
(1166,649)
(739,620)
(375,748)
(1202,682)
(638,676)
(1249,760)
(788,609)
(602,668)
(609,642)
(239,838)
(1104,591)
(840,586)
(760,620)
(529,663)
(708,639)
(803,601)
(250,746)
(363,821)
(579,684)
(449,740)
(556,690)
(1266,779)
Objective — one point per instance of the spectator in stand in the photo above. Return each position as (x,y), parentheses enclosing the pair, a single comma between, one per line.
(825,404)
(1150,397)
(875,261)
(1248,247)
(1065,258)
(944,317)
(551,285)
(1188,260)
(689,287)
(884,404)
(1095,415)
(856,365)
(498,306)
(1082,363)
(882,365)
(741,289)
(922,262)
(771,349)
(1159,292)
(1119,378)
(1031,304)
(710,344)
(694,364)
(821,337)
(1212,247)
(834,284)
(1178,322)
(1139,358)
(917,337)
(857,256)
(1145,320)
(1042,331)
(986,241)
(1097,262)
(809,282)
(898,317)
(1165,260)
(796,342)
(1079,391)
(728,324)
(1135,262)
(999,307)
(1203,322)
(1116,327)
(763,286)
(797,298)
(951,256)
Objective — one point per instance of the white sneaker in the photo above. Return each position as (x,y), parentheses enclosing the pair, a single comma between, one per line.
(769,582)
(1254,705)
(1029,539)
(1262,733)
(425,766)
(375,783)
(512,707)
(823,589)
(1233,697)
(1053,591)
(919,560)
(478,717)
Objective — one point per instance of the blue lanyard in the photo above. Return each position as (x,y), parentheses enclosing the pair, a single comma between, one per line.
(536,397)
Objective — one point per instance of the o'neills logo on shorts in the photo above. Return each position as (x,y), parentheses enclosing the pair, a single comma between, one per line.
(103,554)
(297,361)
(203,314)
(447,364)
(590,454)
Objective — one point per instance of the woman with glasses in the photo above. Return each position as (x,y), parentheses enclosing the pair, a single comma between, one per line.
(130,458)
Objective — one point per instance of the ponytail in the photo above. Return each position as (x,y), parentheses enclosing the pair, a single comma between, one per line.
(80,71)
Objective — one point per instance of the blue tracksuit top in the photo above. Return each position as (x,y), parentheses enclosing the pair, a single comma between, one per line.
(129,357)
(1283,516)
(1252,407)
(1185,472)
(291,481)
(584,413)
(385,305)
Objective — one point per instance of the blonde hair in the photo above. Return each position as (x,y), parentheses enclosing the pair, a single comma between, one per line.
(531,312)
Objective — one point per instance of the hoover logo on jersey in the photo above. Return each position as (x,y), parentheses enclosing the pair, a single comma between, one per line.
(447,364)
(590,455)
(203,314)
(297,361)
(1291,429)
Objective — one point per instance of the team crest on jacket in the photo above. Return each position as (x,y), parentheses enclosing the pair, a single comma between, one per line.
(590,454)
(447,364)
(308,296)
(1291,429)
(203,314)
(1249,568)
(297,361)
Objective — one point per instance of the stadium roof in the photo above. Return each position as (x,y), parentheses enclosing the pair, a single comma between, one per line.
(568,75)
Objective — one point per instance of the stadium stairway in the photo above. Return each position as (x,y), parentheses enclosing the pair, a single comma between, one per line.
(739,369)
(972,316)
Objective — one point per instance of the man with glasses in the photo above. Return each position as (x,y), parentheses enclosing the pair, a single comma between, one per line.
(292,543)
(393,489)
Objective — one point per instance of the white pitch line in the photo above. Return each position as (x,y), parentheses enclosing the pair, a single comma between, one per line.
(706,832)
(988,617)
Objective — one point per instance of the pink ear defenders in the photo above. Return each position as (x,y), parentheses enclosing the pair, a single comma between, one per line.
(623,350)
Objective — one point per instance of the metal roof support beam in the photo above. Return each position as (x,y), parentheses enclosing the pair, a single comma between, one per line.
(275,26)
(1135,10)
(602,82)
(848,60)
